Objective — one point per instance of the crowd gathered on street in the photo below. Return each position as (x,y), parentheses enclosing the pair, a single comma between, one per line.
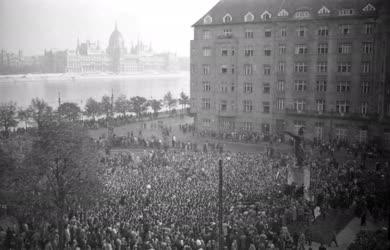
(165,196)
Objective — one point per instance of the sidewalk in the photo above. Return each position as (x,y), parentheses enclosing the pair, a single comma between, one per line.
(348,234)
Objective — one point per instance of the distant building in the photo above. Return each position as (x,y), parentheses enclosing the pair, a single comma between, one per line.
(276,65)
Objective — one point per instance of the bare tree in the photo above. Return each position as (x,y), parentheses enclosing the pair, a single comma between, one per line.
(8,116)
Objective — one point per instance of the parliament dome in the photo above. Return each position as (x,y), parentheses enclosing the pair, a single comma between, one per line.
(116,42)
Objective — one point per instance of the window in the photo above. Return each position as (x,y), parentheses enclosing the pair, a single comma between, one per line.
(280,85)
(224,69)
(206,51)
(320,104)
(265,16)
(300,85)
(267,33)
(249,17)
(300,67)
(224,87)
(206,104)
(299,105)
(223,105)
(206,69)
(267,70)
(343,86)
(344,67)
(206,86)
(280,104)
(369,8)
(206,122)
(248,88)
(267,51)
(207,20)
(232,52)
(282,49)
(345,29)
(281,67)
(368,28)
(249,52)
(193,68)
(266,88)
(322,67)
(345,48)
(342,106)
(301,31)
(321,85)
(362,135)
(301,49)
(227,18)
(233,68)
(302,14)
(283,32)
(366,67)
(341,134)
(364,108)
(266,107)
(227,32)
(224,52)
(232,87)
(367,47)
(249,34)
(298,125)
(247,105)
(323,31)
(206,34)
(319,131)
(324,11)
(248,69)
(346,12)
(283,13)
(365,87)
(248,126)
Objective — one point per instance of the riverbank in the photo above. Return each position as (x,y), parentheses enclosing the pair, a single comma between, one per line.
(89,76)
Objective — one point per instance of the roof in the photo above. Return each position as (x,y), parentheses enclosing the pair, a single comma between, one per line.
(239,8)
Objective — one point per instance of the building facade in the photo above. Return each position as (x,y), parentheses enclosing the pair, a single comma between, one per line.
(275,65)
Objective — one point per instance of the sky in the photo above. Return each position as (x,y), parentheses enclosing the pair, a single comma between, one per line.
(36,25)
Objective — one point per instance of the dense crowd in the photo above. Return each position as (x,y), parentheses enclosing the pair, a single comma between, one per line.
(167,199)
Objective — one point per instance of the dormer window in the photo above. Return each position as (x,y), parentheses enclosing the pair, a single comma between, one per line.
(266,16)
(369,8)
(346,12)
(227,18)
(207,20)
(324,11)
(283,13)
(249,17)
(302,14)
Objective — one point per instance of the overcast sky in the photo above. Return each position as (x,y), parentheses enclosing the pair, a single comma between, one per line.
(33,25)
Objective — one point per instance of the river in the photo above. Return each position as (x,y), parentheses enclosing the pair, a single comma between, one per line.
(78,88)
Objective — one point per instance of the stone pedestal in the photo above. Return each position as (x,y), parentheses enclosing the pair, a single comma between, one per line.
(299,175)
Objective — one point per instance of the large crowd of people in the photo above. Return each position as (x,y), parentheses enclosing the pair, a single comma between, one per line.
(164,196)
(167,199)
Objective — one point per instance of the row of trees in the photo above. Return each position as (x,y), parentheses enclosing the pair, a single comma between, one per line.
(40,111)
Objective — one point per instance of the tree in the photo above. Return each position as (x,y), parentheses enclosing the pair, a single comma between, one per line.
(60,167)
(69,111)
(183,100)
(106,106)
(25,115)
(122,105)
(139,105)
(92,108)
(156,105)
(169,101)
(41,112)
(7,116)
